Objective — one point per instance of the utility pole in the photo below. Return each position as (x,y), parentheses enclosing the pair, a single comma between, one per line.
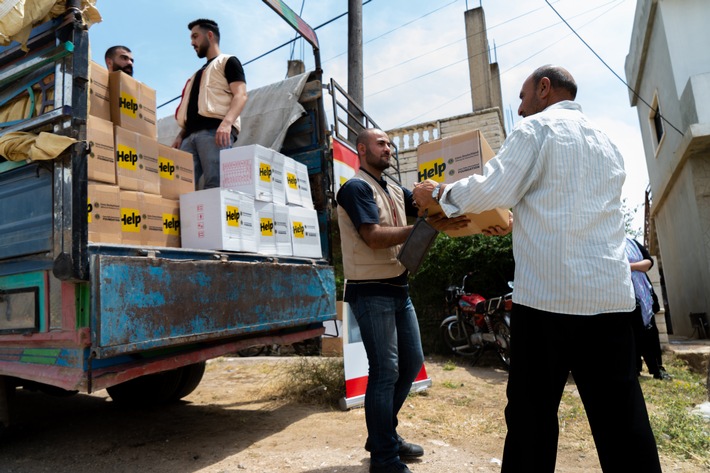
(355,70)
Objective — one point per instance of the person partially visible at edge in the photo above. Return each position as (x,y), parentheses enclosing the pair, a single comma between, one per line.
(648,344)
(212,100)
(372,215)
(573,297)
(119,58)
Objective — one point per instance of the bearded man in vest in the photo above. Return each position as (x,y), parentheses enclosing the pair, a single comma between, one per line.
(212,101)
(372,215)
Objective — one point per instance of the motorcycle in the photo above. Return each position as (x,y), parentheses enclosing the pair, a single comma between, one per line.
(477,323)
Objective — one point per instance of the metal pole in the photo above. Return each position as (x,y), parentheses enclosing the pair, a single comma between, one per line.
(355,70)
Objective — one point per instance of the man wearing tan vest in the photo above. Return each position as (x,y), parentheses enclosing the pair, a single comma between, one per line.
(372,215)
(212,101)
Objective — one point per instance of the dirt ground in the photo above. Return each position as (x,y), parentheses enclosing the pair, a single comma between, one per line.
(234,422)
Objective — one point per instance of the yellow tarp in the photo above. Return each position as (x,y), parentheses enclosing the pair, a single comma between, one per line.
(22,146)
(18,17)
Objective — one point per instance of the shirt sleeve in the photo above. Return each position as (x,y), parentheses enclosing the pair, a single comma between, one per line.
(505,179)
(356,198)
(233,70)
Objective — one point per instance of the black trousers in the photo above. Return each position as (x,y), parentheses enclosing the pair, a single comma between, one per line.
(599,352)
(648,344)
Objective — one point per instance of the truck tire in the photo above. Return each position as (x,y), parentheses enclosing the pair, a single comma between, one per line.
(149,390)
(190,378)
(6,392)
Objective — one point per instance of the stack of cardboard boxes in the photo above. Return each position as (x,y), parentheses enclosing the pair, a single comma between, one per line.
(263,204)
(134,182)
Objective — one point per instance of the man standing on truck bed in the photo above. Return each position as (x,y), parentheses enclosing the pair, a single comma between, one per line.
(372,216)
(119,58)
(211,103)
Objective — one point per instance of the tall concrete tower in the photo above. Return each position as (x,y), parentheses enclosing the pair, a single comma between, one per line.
(485,76)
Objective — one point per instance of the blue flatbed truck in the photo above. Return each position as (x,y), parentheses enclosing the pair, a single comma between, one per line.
(138,321)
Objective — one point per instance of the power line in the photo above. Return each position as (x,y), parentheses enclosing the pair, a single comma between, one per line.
(612,70)
(278,47)
(504,44)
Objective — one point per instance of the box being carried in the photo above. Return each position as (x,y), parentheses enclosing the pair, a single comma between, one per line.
(132,104)
(455,157)
(218,219)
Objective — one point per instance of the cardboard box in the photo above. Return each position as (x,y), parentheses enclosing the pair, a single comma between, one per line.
(99,101)
(455,157)
(282,229)
(132,104)
(304,185)
(103,213)
(136,161)
(177,172)
(305,232)
(266,231)
(218,219)
(152,207)
(247,169)
(170,210)
(292,194)
(278,177)
(134,228)
(101,160)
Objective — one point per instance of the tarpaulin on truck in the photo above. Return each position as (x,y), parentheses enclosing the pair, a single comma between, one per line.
(21,146)
(18,16)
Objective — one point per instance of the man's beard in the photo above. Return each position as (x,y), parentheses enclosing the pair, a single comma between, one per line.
(128,69)
(201,50)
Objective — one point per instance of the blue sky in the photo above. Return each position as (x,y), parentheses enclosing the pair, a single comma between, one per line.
(414,53)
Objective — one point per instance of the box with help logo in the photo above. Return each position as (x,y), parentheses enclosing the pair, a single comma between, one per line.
(134,229)
(305,232)
(218,219)
(162,217)
(455,157)
(136,161)
(101,160)
(247,169)
(133,104)
(304,185)
(103,213)
(266,231)
(282,230)
(177,173)
(278,177)
(292,193)
(99,101)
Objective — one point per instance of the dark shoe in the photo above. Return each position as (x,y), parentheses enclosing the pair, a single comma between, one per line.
(406,449)
(397,467)
(662,375)
(409,450)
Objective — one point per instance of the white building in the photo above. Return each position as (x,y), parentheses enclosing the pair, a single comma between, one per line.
(668,67)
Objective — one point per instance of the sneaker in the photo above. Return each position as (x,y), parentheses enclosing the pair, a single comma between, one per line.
(396,467)
(406,449)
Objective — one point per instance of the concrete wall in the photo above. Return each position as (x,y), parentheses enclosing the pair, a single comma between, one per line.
(668,58)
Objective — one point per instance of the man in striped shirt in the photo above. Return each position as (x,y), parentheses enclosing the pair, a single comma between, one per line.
(573,296)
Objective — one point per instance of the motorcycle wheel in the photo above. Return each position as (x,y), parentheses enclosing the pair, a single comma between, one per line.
(455,338)
(502,332)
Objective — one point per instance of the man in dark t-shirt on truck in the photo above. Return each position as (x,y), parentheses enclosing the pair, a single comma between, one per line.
(211,103)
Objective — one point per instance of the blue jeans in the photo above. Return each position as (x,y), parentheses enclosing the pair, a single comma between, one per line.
(205,156)
(390,333)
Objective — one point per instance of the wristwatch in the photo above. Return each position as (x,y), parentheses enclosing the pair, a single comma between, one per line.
(435,192)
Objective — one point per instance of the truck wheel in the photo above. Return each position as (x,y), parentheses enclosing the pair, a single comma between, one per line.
(151,389)
(190,378)
(6,393)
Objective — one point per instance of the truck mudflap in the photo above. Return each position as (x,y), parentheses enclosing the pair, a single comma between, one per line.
(147,303)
